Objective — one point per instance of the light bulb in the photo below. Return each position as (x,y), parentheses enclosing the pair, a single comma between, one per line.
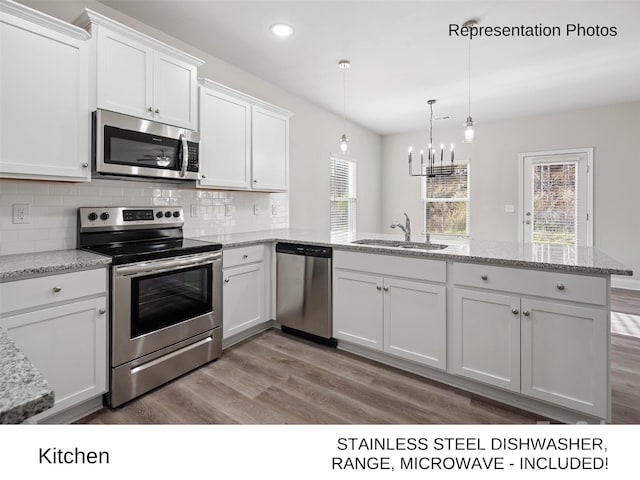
(344,143)
(469,130)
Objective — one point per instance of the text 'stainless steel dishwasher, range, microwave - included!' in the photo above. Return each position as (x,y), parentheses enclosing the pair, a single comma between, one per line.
(165,298)
(303,291)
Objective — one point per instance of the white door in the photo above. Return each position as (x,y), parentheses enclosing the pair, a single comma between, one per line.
(125,75)
(564,355)
(486,337)
(556,199)
(225,140)
(357,308)
(270,135)
(175,99)
(415,321)
(68,345)
(243,298)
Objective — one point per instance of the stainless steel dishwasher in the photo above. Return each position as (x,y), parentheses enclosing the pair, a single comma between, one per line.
(303,291)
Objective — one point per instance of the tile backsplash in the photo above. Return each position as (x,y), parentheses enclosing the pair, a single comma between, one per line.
(53,209)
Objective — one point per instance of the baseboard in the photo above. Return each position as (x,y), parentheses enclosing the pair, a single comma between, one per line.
(625,282)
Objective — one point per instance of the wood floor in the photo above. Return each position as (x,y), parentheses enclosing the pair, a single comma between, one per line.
(273,378)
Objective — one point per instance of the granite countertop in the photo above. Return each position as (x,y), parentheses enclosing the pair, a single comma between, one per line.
(14,267)
(540,256)
(23,390)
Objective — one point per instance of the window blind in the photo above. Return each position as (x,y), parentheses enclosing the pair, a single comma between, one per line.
(343,195)
(447,202)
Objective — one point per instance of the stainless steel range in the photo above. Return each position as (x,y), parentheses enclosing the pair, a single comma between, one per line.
(166,295)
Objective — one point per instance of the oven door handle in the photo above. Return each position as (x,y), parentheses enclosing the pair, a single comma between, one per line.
(156,267)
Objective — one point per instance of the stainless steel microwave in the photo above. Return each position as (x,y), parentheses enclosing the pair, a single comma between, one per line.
(134,147)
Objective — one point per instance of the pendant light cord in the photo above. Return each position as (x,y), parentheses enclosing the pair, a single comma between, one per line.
(344,99)
(469,76)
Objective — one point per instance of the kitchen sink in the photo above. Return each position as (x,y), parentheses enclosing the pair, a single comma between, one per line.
(400,244)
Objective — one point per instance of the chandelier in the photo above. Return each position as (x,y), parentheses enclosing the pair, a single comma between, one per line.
(434,166)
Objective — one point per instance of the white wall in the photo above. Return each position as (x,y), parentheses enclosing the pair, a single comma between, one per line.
(612,132)
(314,132)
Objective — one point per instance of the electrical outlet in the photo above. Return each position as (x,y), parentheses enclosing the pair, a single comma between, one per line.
(256,209)
(21,213)
(227,210)
(194,210)
(509,209)
(274,209)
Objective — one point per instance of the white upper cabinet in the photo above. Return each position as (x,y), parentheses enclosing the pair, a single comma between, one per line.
(44,99)
(244,142)
(140,76)
(270,140)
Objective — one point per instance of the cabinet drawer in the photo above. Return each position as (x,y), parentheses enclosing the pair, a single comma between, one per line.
(242,255)
(396,265)
(35,292)
(556,285)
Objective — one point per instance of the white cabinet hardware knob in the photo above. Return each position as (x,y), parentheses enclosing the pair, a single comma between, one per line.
(226,280)
(526,313)
(378,287)
(102,311)
(57,289)
(85,164)
(560,286)
(484,277)
(386,289)
(515,311)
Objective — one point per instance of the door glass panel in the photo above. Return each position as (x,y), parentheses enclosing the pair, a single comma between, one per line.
(554,203)
(166,299)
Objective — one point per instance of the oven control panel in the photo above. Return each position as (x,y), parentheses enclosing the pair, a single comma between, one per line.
(124,218)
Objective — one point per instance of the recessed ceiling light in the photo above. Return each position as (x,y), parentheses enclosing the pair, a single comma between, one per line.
(281,30)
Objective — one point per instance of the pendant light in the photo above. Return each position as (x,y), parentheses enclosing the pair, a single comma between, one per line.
(469,125)
(344,141)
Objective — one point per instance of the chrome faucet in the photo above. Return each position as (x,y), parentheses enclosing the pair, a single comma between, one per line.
(406,228)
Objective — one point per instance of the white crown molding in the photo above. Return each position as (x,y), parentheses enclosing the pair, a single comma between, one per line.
(31,15)
(205,82)
(90,17)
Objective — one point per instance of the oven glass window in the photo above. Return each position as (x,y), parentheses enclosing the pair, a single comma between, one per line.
(139,149)
(166,299)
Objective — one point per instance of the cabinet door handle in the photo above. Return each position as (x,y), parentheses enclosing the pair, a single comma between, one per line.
(484,277)
(386,289)
(57,289)
(515,311)
(378,287)
(226,280)
(150,109)
(526,313)
(85,164)
(157,110)
(560,286)
(245,256)
(255,181)
(102,311)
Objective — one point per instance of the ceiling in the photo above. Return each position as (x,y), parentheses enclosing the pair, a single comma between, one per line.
(402,55)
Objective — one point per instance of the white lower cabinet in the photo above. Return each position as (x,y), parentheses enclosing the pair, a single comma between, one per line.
(243,298)
(400,316)
(65,338)
(565,355)
(486,337)
(547,350)
(245,289)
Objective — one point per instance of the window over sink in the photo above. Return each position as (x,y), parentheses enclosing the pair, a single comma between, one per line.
(342,182)
(446,202)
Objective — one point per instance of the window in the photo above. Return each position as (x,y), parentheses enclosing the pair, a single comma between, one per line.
(446,202)
(343,195)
